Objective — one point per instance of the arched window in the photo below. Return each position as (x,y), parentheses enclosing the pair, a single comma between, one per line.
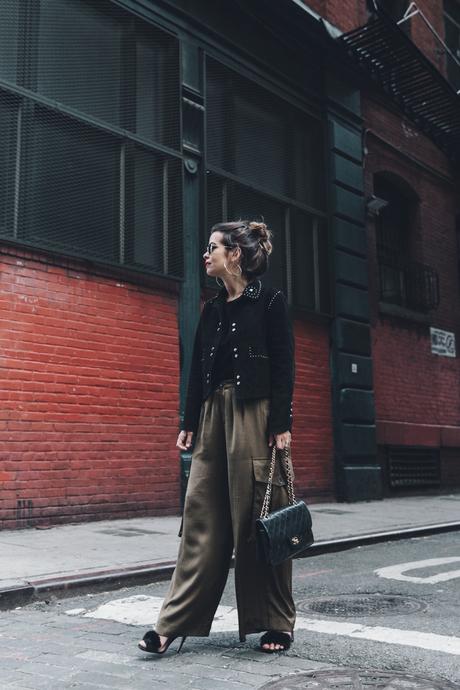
(403,280)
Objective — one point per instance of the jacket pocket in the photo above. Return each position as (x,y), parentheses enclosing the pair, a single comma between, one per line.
(257,352)
(261,471)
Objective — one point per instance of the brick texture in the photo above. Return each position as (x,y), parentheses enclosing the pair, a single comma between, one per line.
(417,394)
(413,386)
(89,387)
(312,448)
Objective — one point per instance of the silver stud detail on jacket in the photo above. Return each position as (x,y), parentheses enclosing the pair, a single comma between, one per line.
(273,298)
(253,290)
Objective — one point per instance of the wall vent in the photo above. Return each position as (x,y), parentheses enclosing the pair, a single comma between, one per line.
(413,467)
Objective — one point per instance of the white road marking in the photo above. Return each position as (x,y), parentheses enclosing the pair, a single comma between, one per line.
(396,572)
(75,612)
(411,638)
(143,611)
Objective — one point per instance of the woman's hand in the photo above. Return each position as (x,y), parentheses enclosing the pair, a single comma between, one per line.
(282,440)
(184,440)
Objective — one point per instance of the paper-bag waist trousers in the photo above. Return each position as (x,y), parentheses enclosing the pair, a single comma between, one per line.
(227,482)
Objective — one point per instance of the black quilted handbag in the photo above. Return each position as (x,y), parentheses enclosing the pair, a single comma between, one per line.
(285,532)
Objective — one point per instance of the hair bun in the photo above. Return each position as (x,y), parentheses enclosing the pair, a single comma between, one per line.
(260,228)
(264,235)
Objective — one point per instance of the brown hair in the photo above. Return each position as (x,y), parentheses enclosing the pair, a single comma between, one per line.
(253,238)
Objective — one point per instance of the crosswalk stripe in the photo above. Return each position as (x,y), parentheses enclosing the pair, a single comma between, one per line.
(411,638)
(143,611)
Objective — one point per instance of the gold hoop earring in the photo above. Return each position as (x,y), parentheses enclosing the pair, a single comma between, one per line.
(235,275)
(219,284)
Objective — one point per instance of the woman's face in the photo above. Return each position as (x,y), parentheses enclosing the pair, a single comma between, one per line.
(216,255)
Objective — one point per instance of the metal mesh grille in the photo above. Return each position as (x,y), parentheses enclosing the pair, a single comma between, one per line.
(299,263)
(265,161)
(230,200)
(81,172)
(261,138)
(8,129)
(412,467)
(94,59)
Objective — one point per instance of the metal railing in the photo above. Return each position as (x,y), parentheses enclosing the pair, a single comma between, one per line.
(408,284)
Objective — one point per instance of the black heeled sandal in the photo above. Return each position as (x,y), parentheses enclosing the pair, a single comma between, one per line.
(275,637)
(153,643)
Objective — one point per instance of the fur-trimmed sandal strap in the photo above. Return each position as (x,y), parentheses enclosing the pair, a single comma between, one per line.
(276,637)
(152,641)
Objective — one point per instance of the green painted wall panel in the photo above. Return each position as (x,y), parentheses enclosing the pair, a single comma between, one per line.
(357,440)
(353,370)
(356,406)
(352,337)
(346,141)
(350,236)
(359,483)
(351,269)
(352,302)
(347,172)
(349,204)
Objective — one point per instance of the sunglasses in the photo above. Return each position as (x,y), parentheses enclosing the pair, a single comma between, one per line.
(211,246)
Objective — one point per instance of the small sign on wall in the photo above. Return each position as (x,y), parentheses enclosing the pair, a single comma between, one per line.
(442,343)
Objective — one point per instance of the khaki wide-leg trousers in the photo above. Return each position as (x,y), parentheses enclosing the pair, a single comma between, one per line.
(227,482)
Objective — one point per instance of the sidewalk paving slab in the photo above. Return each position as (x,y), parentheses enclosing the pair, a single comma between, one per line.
(112,553)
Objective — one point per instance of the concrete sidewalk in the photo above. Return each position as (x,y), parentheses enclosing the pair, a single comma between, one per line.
(110,554)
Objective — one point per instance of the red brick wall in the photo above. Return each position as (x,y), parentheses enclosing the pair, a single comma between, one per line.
(312,448)
(349,14)
(413,387)
(345,14)
(423,37)
(89,390)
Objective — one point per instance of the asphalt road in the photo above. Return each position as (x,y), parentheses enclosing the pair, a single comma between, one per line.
(394,607)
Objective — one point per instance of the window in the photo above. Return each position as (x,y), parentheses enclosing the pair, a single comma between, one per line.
(90,156)
(452,38)
(265,158)
(457,232)
(8,129)
(403,281)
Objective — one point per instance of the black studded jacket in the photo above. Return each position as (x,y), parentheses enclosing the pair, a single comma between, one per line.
(262,344)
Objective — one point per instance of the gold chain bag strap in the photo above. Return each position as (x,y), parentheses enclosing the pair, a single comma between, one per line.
(285,532)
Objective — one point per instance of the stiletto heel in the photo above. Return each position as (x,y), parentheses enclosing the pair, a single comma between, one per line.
(152,643)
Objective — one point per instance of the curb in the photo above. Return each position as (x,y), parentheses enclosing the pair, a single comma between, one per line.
(23,593)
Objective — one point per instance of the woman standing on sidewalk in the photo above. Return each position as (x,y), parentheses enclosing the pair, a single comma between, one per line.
(239,402)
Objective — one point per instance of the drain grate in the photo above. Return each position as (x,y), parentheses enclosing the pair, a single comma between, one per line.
(362,605)
(354,679)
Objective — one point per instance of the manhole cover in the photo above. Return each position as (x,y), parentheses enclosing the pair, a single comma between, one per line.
(362,605)
(357,680)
